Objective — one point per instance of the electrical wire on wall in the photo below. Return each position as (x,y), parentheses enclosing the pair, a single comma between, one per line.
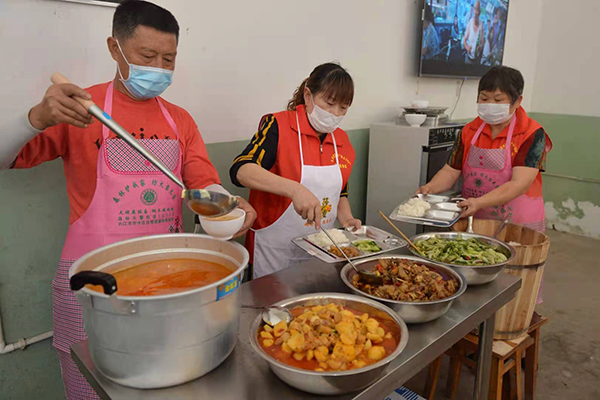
(457,98)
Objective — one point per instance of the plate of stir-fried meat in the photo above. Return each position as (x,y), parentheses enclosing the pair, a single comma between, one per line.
(408,281)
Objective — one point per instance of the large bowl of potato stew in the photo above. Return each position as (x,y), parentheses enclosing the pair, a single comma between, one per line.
(336,343)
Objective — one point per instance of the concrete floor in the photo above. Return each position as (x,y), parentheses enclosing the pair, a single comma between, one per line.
(569,363)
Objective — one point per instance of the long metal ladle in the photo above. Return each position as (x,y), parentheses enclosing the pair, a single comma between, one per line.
(202,202)
(365,276)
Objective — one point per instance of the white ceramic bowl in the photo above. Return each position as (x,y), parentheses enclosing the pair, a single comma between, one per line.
(226,226)
(420,103)
(415,120)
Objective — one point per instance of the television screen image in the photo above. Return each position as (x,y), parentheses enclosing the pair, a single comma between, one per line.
(462,38)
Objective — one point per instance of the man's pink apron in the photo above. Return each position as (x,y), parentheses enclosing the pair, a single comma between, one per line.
(132,199)
(487,169)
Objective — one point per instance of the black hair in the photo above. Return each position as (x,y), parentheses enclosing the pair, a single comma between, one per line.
(429,14)
(132,13)
(330,79)
(507,79)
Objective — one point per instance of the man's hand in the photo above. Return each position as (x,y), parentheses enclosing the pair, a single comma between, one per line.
(58,106)
(250,216)
(307,206)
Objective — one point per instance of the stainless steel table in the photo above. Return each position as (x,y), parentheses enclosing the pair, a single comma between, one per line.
(244,375)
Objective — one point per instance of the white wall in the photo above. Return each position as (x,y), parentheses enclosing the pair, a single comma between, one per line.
(239,60)
(567,79)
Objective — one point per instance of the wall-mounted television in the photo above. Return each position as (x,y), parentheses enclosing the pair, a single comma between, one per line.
(462,38)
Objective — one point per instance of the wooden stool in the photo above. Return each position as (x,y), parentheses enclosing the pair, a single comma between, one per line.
(507,357)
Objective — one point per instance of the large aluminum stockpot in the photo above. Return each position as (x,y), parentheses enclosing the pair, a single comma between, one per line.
(332,383)
(416,311)
(158,341)
(474,274)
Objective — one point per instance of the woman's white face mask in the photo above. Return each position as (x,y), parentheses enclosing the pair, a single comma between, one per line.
(494,113)
(322,120)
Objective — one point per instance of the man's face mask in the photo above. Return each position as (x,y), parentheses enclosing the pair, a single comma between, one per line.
(145,82)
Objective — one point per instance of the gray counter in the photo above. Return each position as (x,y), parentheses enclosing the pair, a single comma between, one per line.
(244,375)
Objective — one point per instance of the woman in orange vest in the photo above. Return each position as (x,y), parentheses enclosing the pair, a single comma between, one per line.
(297,168)
(499,155)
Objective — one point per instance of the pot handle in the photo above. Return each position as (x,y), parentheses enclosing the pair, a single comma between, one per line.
(107,281)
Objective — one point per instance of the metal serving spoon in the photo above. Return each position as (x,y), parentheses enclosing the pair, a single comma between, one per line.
(200,201)
(365,276)
(274,315)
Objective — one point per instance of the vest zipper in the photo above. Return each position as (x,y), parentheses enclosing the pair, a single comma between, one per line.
(321,148)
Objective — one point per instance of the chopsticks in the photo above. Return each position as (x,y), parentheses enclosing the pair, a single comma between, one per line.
(401,233)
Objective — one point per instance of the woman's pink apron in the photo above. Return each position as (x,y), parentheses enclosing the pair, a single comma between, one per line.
(487,169)
(132,199)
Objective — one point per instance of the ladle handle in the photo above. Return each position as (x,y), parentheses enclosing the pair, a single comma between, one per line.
(111,124)
(339,249)
(107,281)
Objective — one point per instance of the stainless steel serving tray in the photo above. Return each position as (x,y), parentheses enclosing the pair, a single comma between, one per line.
(444,211)
(385,240)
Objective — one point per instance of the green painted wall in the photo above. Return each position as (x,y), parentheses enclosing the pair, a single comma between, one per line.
(33,224)
(572,205)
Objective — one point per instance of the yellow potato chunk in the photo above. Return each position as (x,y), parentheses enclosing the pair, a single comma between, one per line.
(286,348)
(349,352)
(310,355)
(388,335)
(334,364)
(347,315)
(266,335)
(279,329)
(344,327)
(380,332)
(348,338)
(332,307)
(268,342)
(360,363)
(268,328)
(372,325)
(368,345)
(376,353)
(299,356)
(364,317)
(374,338)
(319,370)
(321,353)
(323,329)
(296,341)
(316,309)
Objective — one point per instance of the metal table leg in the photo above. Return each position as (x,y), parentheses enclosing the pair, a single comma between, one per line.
(484,361)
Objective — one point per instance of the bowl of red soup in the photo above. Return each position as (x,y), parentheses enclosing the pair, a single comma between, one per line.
(336,343)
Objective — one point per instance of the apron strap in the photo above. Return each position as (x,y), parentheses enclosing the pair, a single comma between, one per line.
(337,161)
(108,103)
(509,136)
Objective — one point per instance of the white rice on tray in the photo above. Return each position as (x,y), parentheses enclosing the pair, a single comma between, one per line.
(321,239)
(414,207)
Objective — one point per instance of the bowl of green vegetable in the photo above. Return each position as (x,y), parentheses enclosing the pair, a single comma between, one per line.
(478,258)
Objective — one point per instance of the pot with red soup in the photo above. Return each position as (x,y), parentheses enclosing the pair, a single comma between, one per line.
(336,343)
(168,311)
